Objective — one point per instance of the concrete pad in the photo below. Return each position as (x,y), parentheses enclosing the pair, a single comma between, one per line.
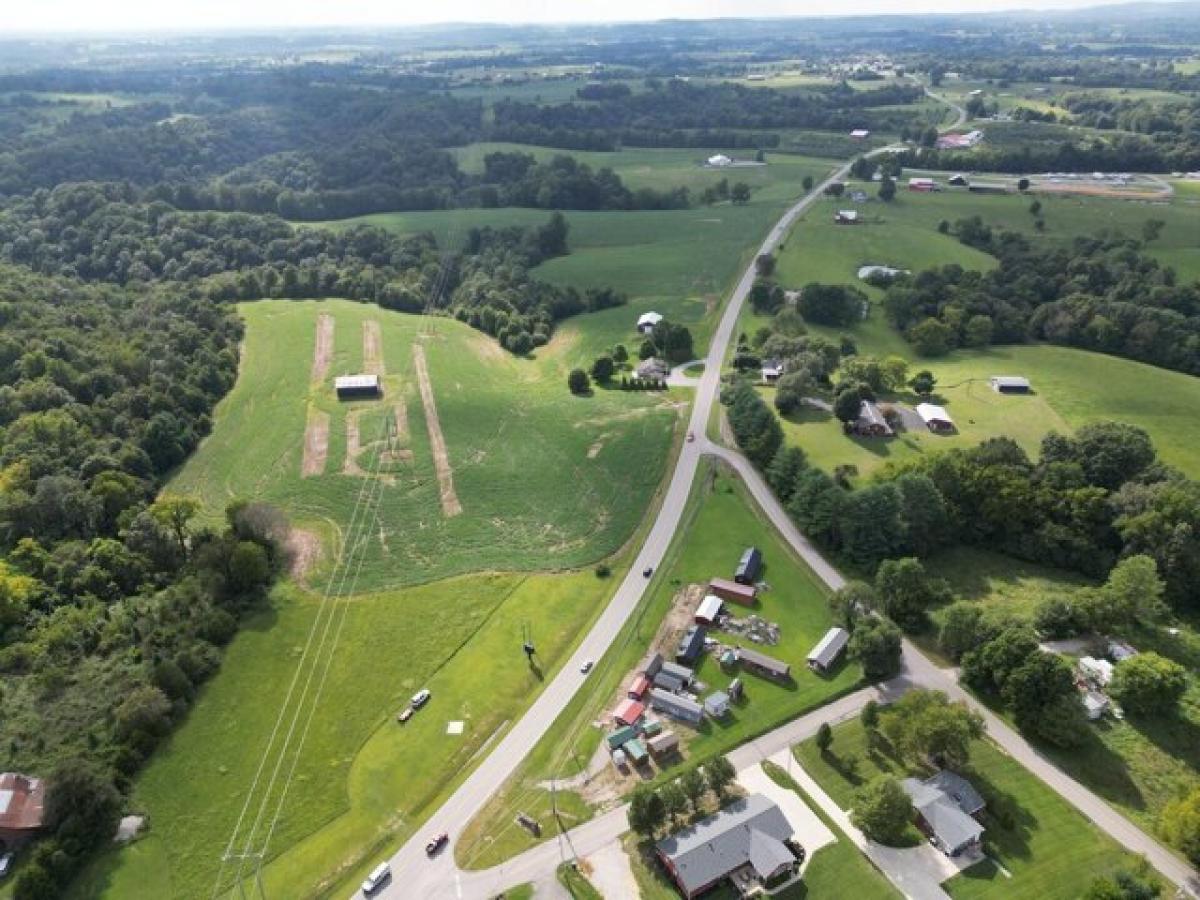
(454,727)
(611,873)
(809,831)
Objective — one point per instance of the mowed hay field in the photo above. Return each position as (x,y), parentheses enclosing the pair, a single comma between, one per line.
(1071,387)
(545,480)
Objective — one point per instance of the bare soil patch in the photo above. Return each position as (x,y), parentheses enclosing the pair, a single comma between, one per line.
(350,465)
(316,443)
(372,338)
(323,350)
(304,549)
(437,441)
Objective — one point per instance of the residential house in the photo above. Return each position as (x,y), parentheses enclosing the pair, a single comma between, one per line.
(357,387)
(710,607)
(747,841)
(764,665)
(828,649)
(748,566)
(772,370)
(22,808)
(647,321)
(935,417)
(691,645)
(676,707)
(1010,384)
(946,805)
(731,590)
(871,421)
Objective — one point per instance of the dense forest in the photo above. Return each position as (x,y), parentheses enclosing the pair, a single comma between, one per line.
(114,606)
(1101,294)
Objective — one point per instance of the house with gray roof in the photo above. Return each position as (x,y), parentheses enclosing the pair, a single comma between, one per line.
(747,841)
(946,806)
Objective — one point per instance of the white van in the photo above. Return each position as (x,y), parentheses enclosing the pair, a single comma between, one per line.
(375,879)
(420,698)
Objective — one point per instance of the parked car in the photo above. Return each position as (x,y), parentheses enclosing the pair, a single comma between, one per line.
(420,698)
(648,571)
(691,436)
(375,880)
(6,862)
(586,667)
(436,843)
(404,715)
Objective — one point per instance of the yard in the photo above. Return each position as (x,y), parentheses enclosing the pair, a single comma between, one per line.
(1046,848)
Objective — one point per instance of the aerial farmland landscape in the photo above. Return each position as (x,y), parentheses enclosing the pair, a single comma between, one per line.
(638,450)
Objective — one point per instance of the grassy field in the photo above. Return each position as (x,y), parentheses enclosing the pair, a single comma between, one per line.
(1047,847)
(724,522)
(599,458)
(576,883)
(1065,380)
(363,781)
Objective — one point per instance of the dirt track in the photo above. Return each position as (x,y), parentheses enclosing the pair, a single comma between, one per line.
(372,339)
(304,548)
(316,443)
(437,442)
(323,351)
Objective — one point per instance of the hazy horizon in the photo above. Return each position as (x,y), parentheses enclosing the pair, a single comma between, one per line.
(131,17)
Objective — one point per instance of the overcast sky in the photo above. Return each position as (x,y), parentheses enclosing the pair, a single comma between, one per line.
(142,15)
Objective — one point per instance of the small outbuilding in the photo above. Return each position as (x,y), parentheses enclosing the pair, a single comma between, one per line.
(845,217)
(664,744)
(691,645)
(823,656)
(860,134)
(922,185)
(748,566)
(716,704)
(710,607)
(1010,384)
(764,665)
(988,187)
(676,707)
(732,591)
(647,321)
(683,673)
(651,664)
(629,711)
(637,690)
(635,751)
(620,736)
(357,387)
(1095,705)
(935,417)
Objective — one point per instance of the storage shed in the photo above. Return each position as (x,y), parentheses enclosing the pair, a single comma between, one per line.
(935,417)
(827,651)
(638,688)
(357,387)
(667,742)
(764,665)
(691,645)
(629,711)
(1010,384)
(620,736)
(748,566)
(710,607)
(732,591)
(676,707)
(636,752)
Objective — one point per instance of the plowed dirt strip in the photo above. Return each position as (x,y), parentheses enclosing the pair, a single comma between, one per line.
(316,443)
(437,442)
(323,351)
(372,348)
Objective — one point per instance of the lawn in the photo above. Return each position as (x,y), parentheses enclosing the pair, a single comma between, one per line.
(363,782)
(600,458)
(724,521)
(1046,846)
(576,884)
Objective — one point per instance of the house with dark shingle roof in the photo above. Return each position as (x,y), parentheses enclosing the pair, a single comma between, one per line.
(22,807)
(946,806)
(747,841)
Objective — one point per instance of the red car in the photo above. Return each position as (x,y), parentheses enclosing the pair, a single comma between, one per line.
(436,843)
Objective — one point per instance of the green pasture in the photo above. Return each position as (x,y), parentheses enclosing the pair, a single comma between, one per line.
(363,782)
(545,479)
(723,521)
(1047,848)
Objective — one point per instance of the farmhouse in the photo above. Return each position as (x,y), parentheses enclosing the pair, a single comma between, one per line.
(676,707)
(845,216)
(716,704)
(747,840)
(710,608)
(935,417)
(691,645)
(719,161)
(354,387)
(772,369)
(764,665)
(748,566)
(629,711)
(731,590)
(647,321)
(828,649)
(946,805)
(662,744)
(860,134)
(870,421)
(22,801)
(1009,384)
(924,185)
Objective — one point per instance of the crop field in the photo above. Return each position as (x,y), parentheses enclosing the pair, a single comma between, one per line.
(1048,850)
(363,781)
(544,480)
(1065,380)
